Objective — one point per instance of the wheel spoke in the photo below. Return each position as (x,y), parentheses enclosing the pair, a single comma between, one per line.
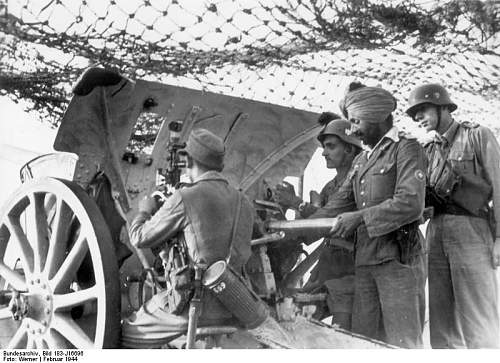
(18,338)
(74,298)
(23,245)
(5,313)
(58,239)
(40,242)
(70,265)
(4,240)
(12,277)
(71,331)
(31,344)
(40,343)
(54,341)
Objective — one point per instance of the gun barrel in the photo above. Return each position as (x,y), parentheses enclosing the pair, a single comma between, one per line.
(272,237)
(319,225)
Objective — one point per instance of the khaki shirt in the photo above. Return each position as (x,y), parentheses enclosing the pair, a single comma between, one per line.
(388,185)
(330,188)
(474,152)
(203,214)
(311,211)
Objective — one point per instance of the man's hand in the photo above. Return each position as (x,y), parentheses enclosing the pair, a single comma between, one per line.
(285,196)
(346,224)
(148,205)
(496,253)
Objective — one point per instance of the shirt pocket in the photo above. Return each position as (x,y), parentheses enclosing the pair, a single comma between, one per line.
(383,181)
(462,162)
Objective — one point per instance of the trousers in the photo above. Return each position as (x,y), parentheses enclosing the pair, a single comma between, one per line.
(389,302)
(463,290)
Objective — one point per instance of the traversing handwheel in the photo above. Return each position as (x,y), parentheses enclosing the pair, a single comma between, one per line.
(57,257)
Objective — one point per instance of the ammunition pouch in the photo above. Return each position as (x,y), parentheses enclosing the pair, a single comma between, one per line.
(179,276)
(448,191)
(409,242)
(473,195)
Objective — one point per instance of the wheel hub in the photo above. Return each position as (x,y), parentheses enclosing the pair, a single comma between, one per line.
(40,303)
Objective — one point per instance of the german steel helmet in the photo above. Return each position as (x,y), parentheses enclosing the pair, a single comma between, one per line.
(432,93)
(340,128)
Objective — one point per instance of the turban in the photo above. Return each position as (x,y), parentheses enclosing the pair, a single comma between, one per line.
(371,104)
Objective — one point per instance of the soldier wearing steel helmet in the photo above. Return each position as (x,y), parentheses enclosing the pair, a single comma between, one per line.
(335,268)
(463,186)
(387,186)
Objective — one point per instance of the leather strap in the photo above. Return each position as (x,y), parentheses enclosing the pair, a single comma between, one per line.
(235,223)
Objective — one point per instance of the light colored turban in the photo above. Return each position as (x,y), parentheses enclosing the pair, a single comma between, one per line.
(372,104)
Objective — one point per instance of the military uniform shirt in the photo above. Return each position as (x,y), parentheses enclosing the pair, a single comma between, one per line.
(388,185)
(474,151)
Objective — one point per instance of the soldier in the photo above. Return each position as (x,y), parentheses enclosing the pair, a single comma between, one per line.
(463,179)
(201,216)
(387,184)
(335,267)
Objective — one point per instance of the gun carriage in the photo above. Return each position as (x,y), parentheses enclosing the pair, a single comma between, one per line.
(68,273)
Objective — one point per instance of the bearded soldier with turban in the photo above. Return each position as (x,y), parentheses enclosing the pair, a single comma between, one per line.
(386,185)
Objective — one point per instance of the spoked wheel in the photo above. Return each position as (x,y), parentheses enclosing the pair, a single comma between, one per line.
(58,268)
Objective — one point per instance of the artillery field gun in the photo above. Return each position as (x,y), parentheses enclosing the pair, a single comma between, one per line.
(68,273)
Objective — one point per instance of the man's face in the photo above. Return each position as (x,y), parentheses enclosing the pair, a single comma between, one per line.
(334,151)
(186,170)
(426,115)
(368,132)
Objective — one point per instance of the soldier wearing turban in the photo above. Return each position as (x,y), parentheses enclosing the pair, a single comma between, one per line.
(387,186)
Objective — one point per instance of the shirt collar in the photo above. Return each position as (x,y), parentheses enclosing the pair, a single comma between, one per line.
(449,135)
(210,175)
(392,134)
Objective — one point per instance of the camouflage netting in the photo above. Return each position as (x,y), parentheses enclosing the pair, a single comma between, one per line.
(297,53)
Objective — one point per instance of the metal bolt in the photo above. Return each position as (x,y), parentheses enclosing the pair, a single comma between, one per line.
(44,323)
(37,281)
(27,326)
(33,331)
(39,331)
(47,297)
(47,311)
(32,282)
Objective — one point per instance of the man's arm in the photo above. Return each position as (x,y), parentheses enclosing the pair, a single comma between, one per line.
(147,231)
(340,202)
(489,156)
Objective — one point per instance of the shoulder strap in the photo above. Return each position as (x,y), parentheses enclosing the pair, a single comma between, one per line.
(235,224)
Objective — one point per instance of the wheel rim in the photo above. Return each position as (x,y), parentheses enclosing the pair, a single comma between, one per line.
(56,250)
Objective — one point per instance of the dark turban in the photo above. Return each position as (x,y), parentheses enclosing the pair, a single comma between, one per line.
(372,104)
